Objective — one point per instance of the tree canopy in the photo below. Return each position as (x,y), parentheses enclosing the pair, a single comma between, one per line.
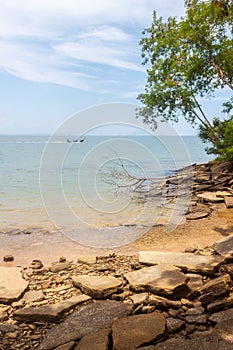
(188,59)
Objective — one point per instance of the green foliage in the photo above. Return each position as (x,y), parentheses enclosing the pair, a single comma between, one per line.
(188,59)
(223,146)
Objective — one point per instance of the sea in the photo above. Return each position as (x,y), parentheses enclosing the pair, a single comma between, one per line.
(87,184)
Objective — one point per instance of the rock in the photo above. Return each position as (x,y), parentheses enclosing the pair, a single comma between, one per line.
(98,340)
(194,284)
(11,335)
(3,313)
(36,264)
(132,332)
(197,214)
(160,279)
(210,197)
(214,288)
(228,269)
(67,346)
(174,325)
(197,319)
(228,201)
(57,266)
(224,247)
(86,320)
(98,287)
(62,259)
(33,295)
(139,298)
(12,284)
(7,328)
(8,258)
(203,264)
(89,259)
(164,303)
(195,311)
(223,194)
(220,304)
(50,312)
(221,316)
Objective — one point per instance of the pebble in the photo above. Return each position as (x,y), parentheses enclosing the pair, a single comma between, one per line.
(8,258)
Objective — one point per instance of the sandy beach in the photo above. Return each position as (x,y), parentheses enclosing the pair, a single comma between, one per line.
(48,245)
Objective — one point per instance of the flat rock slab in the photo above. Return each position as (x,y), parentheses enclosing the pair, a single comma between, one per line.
(197,214)
(210,197)
(50,312)
(95,341)
(203,264)
(224,247)
(12,284)
(160,279)
(86,320)
(131,332)
(221,338)
(221,316)
(98,287)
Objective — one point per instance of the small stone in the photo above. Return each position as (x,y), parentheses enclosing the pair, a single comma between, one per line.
(195,311)
(221,316)
(8,258)
(174,325)
(200,319)
(173,313)
(147,309)
(36,264)
(7,328)
(214,288)
(139,298)
(57,266)
(190,328)
(164,303)
(89,259)
(62,259)
(11,335)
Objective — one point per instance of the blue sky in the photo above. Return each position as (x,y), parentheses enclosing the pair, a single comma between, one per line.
(60,57)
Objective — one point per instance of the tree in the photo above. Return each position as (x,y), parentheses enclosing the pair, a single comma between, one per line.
(189,59)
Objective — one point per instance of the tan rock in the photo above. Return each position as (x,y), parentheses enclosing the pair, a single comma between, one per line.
(132,332)
(50,312)
(214,288)
(98,287)
(194,263)
(12,284)
(160,279)
(224,247)
(210,197)
(98,340)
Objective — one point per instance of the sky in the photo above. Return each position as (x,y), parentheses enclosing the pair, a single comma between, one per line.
(60,57)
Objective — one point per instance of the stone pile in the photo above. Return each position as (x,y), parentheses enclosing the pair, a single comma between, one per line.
(157,300)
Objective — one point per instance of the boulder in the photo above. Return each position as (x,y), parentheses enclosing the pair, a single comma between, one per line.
(131,332)
(98,287)
(50,312)
(12,284)
(194,263)
(221,316)
(86,320)
(160,279)
(98,340)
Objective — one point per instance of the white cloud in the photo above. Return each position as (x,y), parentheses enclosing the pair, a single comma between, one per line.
(73,42)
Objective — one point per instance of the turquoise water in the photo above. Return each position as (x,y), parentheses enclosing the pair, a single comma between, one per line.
(92,177)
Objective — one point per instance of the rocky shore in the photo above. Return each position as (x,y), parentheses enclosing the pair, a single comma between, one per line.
(156,300)
(152,300)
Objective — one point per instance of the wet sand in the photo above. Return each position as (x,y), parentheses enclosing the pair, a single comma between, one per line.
(50,246)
